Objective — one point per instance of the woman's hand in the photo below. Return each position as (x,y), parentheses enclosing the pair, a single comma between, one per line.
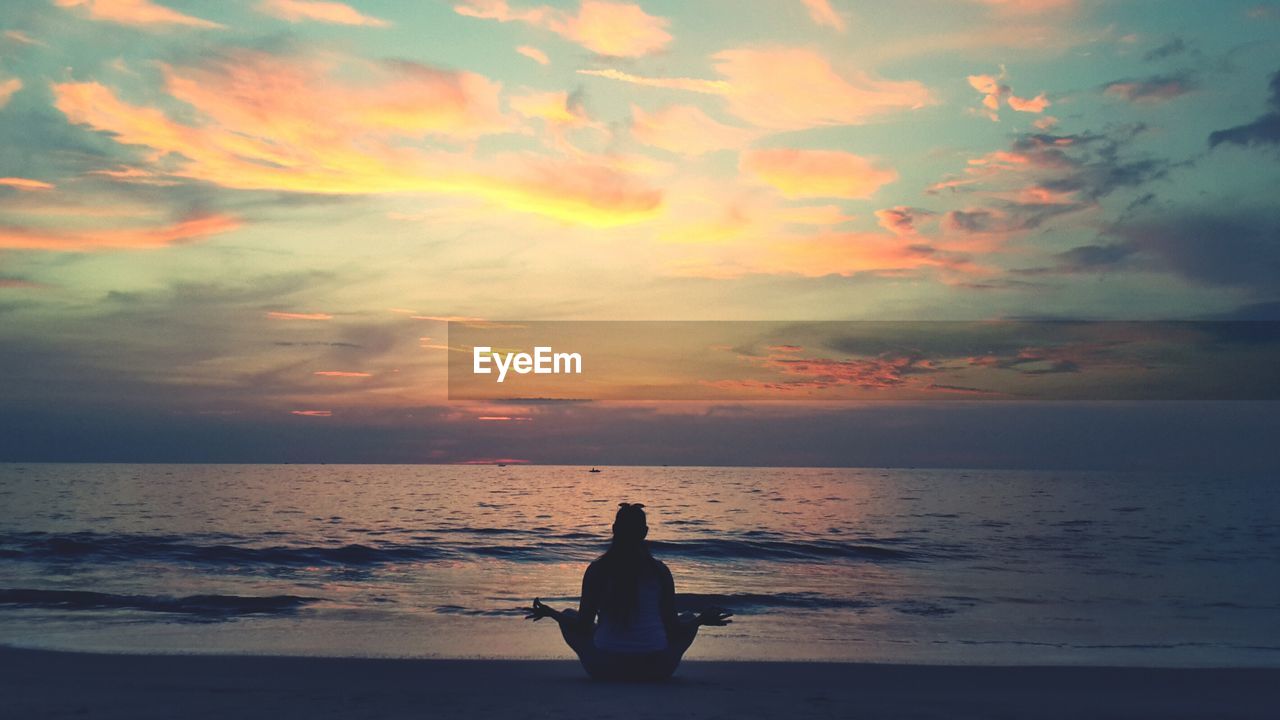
(537,611)
(715,617)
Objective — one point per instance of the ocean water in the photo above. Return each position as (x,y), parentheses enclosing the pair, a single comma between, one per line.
(914,566)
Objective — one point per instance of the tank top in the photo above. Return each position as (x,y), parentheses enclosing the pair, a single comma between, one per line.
(645,632)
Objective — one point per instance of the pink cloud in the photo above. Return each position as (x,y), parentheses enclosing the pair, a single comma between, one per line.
(534,54)
(1036,104)
(994,90)
(7,89)
(820,12)
(298,316)
(319,11)
(817,173)
(341,374)
(141,13)
(1028,7)
(706,87)
(20,183)
(312,413)
(797,88)
(686,130)
(612,29)
(331,124)
(190,229)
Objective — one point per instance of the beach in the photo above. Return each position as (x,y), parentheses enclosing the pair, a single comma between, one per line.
(45,684)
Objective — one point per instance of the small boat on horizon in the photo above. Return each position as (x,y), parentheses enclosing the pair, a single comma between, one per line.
(594,469)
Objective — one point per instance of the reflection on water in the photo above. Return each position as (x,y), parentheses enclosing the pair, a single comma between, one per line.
(885,565)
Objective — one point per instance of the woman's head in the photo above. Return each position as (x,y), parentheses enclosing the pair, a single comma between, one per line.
(626,561)
(629,525)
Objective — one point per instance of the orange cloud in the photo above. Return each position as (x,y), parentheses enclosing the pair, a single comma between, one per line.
(686,130)
(320,11)
(298,316)
(267,122)
(341,374)
(312,413)
(147,238)
(534,54)
(796,88)
(7,89)
(817,173)
(25,183)
(502,418)
(820,12)
(141,13)
(613,29)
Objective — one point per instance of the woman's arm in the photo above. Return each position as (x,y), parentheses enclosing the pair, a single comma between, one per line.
(589,602)
(667,600)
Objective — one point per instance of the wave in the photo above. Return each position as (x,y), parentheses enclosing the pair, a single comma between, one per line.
(121,547)
(432,545)
(204,606)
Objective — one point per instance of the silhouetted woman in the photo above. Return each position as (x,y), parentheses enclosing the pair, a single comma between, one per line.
(639,635)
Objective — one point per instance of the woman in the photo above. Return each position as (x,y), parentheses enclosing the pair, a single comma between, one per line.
(639,635)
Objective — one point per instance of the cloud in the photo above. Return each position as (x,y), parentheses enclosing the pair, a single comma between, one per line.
(20,283)
(901,220)
(1240,249)
(332,125)
(686,130)
(797,88)
(708,87)
(1175,46)
(820,12)
(24,183)
(817,173)
(534,54)
(139,13)
(994,90)
(193,228)
(556,108)
(1152,90)
(319,11)
(611,29)
(1263,131)
(312,413)
(1036,104)
(341,374)
(1028,7)
(22,38)
(845,254)
(7,88)
(276,315)
(784,89)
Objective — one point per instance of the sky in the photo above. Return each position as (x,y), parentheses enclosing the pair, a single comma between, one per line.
(236,231)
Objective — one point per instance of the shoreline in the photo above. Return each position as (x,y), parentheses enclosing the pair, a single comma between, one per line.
(44,683)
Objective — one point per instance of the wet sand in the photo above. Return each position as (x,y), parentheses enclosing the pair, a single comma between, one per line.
(45,684)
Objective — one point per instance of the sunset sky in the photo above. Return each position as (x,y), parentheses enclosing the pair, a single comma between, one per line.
(235,230)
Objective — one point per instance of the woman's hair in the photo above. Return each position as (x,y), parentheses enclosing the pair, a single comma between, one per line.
(626,561)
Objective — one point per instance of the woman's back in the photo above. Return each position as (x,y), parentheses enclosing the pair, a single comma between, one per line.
(635,625)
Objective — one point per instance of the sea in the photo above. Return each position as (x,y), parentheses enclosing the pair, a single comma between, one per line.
(972,567)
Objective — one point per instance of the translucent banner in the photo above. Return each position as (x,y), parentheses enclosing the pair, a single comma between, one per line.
(863,361)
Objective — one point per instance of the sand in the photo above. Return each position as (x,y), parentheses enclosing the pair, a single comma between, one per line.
(43,684)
